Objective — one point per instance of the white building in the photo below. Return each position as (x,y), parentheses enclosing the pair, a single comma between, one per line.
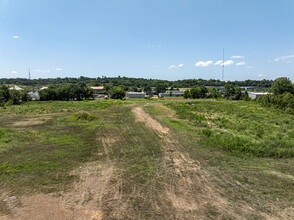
(255,95)
(133,95)
(171,94)
(34,95)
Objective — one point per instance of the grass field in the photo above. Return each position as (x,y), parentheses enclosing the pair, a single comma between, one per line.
(146,159)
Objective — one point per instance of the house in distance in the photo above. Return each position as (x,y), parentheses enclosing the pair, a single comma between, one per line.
(98,89)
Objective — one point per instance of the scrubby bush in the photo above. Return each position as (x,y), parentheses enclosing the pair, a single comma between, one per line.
(282,97)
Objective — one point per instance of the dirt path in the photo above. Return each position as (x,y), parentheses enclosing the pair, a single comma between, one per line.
(84,201)
(187,185)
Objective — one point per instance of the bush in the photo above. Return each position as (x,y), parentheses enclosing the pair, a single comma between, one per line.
(282,101)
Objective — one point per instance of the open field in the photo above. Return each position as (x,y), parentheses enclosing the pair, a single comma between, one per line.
(146,159)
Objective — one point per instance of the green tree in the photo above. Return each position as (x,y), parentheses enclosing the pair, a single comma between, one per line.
(229,90)
(160,88)
(15,97)
(117,93)
(187,94)
(4,95)
(282,85)
(147,88)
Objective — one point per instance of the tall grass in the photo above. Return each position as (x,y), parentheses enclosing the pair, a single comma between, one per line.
(241,127)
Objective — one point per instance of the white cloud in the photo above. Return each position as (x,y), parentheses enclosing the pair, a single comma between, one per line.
(204,63)
(176,66)
(58,69)
(249,67)
(240,63)
(284,58)
(13,72)
(261,75)
(289,61)
(42,71)
(228,62)
(15,37)
(219,62)
(237,57)
(173,67)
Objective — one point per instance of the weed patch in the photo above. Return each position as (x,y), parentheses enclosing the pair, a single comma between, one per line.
(241,127)
(84,117)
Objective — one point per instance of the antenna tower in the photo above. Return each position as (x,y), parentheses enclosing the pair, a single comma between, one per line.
(29,73)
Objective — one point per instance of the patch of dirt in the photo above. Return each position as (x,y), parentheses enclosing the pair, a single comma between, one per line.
(31,121)
(187,185)
(142,116)
(86,200)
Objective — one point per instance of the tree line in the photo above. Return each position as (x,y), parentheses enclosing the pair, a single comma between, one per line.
(67,92)
(130,84)
(230,92)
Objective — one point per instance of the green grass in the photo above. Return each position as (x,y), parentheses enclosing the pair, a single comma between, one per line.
(240,156)
(48,107)
(244,176)
(241,127)
(39,156)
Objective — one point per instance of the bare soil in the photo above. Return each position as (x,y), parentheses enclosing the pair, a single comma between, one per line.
(84,200)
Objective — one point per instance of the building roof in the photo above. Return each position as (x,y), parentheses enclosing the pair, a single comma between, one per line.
(97,87)
(15,88)
(259,93)
(44,87)
(136,93)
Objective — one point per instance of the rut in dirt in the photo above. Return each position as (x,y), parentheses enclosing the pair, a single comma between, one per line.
(186,183)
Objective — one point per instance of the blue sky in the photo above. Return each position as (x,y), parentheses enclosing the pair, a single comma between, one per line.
(163,39)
